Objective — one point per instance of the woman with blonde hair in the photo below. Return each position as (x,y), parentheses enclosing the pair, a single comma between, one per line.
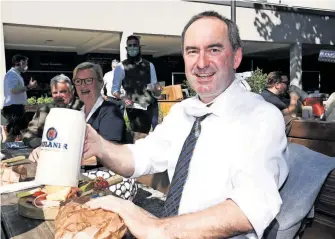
(105,117)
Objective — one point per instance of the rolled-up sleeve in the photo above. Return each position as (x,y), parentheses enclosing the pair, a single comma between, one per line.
(153,75)
(118,77)
(149,153)
(12,81)
(261,169)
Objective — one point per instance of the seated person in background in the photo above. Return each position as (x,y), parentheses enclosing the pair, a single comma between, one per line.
(104,116)
(63,96)
(277,85)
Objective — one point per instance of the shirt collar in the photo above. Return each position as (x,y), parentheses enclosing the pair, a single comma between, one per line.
(97,104)
(197,108)
(16,71)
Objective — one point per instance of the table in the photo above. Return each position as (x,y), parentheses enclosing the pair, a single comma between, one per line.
(14,226)
(10,153)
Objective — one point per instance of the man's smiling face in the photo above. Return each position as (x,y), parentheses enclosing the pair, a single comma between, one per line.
(210,62)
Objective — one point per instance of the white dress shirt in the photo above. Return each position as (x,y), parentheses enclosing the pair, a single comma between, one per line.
(240,154)
(12,80)
(108,83)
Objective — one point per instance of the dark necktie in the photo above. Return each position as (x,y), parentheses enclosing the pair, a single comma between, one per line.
(180,175)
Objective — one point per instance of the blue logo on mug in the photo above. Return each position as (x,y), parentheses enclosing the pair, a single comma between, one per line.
(51,134)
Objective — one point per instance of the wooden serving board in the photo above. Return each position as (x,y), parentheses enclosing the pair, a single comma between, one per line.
(26,209)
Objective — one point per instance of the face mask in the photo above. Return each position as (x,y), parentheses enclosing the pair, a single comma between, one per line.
(133,51)
(25,68)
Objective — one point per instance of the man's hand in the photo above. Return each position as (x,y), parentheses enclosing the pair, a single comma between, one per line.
(92,144)
(35,155)
(32,83)
(140,223)
(127,101)
(156,89)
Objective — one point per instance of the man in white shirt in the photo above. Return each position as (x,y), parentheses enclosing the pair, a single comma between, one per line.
(106,91)
(15,95)
(235,169)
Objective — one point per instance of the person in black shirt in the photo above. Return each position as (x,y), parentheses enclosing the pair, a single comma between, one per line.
(104,116)
(277,86)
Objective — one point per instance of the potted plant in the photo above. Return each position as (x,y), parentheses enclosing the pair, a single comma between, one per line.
(257,81)
(34,103)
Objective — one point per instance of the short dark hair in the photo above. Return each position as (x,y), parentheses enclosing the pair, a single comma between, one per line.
(233,32)
(275,77)
(133,37)
(17,58)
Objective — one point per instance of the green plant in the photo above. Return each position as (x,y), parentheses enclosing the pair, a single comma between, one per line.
(126,120)
(160,114)
(48,100)
(257,81)
(32,100)
(40,100)
(186,85)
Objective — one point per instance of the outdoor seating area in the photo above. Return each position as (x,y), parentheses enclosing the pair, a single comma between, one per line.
(167,119)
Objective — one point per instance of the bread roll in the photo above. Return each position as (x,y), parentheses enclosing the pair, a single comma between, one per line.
(76,221)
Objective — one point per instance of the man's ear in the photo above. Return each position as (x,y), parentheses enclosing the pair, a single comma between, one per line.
(237,58)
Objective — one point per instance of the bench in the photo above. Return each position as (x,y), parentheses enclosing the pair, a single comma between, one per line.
(319,136)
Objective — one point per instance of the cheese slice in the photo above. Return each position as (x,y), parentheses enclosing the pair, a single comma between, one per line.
(48,189)
(59,195)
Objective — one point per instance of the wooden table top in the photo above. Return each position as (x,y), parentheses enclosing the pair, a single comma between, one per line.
(15,226)
(12,224)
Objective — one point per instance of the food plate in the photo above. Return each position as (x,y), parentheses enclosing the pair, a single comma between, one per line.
(37,204)
(27,209)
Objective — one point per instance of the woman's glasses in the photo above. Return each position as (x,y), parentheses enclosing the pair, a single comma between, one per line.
(87,81)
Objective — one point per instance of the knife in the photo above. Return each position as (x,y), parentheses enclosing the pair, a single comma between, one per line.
(15,159)
(25,161)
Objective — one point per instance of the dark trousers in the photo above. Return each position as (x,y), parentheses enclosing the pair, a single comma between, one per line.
(14,116)
(140,120)
(117,102)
